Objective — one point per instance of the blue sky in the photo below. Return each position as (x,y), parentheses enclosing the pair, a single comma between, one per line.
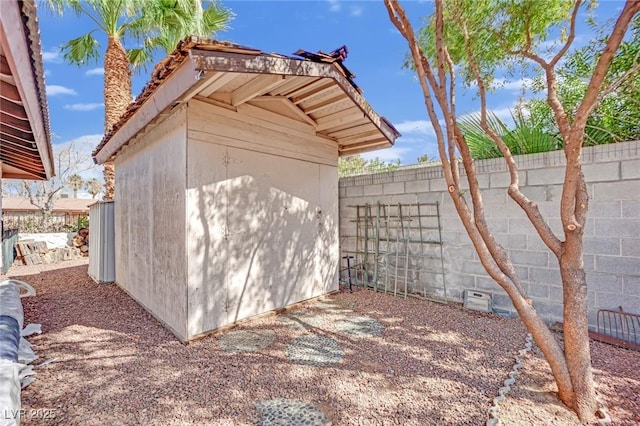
(376,54)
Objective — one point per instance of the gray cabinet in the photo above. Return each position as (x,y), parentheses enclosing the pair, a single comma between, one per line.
(102,242)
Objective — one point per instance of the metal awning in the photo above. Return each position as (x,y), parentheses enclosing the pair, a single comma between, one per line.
(25,145)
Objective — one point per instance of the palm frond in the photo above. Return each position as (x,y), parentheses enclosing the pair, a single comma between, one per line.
(524,138)
(59,6)
(139,57)
(480,144)
(81,50)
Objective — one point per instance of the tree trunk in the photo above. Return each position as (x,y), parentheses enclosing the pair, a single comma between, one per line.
(117,97)
(576,330)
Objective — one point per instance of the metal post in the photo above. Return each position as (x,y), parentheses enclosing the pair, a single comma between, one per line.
(444,284)
(377,245)
(422,257)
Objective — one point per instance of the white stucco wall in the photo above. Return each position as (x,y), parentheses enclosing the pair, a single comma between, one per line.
(262,214)
(150,221)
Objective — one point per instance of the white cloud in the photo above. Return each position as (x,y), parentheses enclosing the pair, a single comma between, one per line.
(334,5)
(95,71)
(83,107)
(356,11)
(52,56)
(504,114)
(515,86)
(54,90)
(422,127)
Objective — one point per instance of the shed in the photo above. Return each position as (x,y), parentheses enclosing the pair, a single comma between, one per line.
(226,181)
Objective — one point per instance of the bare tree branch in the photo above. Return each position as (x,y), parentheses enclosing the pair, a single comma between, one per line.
(572,35)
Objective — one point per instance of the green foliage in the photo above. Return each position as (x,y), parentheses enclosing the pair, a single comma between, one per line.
(149,24)
(525,138)
(83,222)
(617,117)
(423,158)
(486,32)
(81,50)
(356,165)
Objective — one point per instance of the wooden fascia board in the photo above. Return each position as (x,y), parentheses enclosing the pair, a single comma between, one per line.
(236,62)
(17,48)
(165,95)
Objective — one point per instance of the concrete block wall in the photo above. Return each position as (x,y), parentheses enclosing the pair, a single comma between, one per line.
(611,240)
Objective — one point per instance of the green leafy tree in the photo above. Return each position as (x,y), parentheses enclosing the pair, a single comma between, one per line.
(617,116)
(75,182)
(152,25)
(424,158)
(474,38)
(356,165)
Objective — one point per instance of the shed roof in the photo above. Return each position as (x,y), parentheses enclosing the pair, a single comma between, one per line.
(62,205)
(25,142)
(315,89)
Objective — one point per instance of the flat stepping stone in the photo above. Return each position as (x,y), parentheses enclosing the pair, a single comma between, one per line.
(247,340)
(359,326)
(302,320)
(315,350)
(281,412)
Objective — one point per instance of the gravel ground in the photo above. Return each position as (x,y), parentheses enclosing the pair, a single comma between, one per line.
(429,364)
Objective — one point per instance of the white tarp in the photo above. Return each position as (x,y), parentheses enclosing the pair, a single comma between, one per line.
(14,375)
(10,393)
(53,240)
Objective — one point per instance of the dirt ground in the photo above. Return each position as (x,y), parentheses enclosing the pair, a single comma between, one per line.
(408,362)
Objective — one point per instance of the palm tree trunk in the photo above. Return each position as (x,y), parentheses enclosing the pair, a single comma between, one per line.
(117,97)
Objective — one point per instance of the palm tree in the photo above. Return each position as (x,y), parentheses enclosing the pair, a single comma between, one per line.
(154,24)
(75,182)
(525,138)
(93,187)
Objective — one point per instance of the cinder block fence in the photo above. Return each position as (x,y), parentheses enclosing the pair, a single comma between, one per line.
(611,241)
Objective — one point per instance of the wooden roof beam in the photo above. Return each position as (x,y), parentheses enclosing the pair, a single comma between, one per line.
(14,110)
(339,119)
(358,138)
(22,164)
(18,134)
(24,144)
(324,104)
(362,145)
(5,69)
(256,87)
(353,131)
(218,81)
(16,151)
(10,93)
(12,121)
(293,84)
(329,86)
(298,112)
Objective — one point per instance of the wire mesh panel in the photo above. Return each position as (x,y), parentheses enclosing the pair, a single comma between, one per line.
(397,249)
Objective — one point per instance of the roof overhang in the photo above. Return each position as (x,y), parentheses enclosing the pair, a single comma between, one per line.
(317,94)
(25,145)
